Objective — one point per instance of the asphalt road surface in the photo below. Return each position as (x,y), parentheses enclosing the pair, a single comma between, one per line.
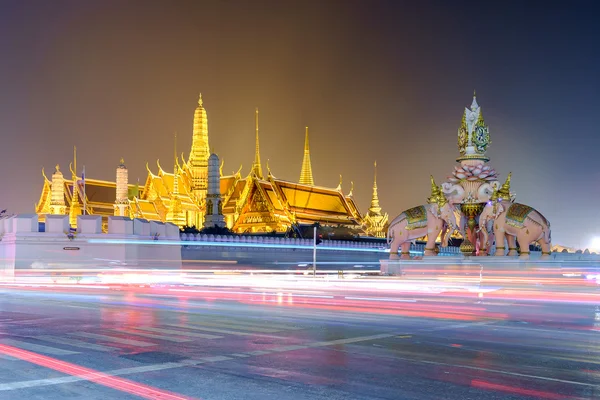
(241,343)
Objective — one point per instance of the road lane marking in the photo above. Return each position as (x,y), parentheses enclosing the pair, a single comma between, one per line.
(258,352)
(73,342)
(37,347)
(269,324)
(114,339)
(240,327)
(180,333)
(152,335)
(200,327)
(91,375)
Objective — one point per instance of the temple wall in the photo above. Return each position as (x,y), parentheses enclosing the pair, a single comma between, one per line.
(23,247)
(262,252)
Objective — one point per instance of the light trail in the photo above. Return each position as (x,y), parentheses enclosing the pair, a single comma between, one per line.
(101,378)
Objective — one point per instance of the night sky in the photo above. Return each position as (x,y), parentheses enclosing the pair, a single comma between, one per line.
(385,81)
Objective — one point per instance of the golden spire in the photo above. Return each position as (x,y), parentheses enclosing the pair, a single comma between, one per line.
(175,166)
(504,191)
(256,167)
(441,199)
(306,176)
(175,214)
(199,153)
(375,209)
(435,192)
(75,208)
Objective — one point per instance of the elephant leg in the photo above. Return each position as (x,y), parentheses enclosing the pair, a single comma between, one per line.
(394,246)
(500,246)
(512,245)
(430,246)
(546,250)
(405,251)
(524,239)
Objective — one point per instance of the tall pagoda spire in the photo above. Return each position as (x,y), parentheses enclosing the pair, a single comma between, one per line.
(75,208)
(256,167)
(198,161)
(375,208)
(306,176)
(375,221)
(175,214)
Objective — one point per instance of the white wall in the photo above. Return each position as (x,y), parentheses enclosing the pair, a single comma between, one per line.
(22,247)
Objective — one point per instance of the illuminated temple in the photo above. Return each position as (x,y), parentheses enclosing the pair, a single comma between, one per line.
(257,202)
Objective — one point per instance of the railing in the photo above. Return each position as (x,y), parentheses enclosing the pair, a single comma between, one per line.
(295,242)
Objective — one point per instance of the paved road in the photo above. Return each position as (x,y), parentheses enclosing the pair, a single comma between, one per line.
(238,343)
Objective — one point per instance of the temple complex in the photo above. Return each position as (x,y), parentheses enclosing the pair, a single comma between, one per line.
(257,202)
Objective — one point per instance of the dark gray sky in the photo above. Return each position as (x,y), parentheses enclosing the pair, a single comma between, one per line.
(373,80)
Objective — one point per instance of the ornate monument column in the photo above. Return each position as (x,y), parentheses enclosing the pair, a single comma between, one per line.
(122,197)
(374,219)
(473,182)
(57,201)
(214,208)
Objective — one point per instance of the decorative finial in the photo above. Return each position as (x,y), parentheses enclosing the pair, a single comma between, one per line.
(200,100)
(433,185)
(474,93)
(441,199)
(435,192)
(504,191)
(57,168)
(351,189)
(122,162)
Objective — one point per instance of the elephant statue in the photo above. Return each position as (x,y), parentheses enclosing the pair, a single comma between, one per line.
(516,222)
(429,219)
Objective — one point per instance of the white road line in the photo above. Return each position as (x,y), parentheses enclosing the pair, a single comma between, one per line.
(352,340)
(240,327)
(73,342)
(79,378)
(180,333)
(258,324)
(258,352)
(214,358)
(37,347)
(107,338)
(199,327)
(288,348)
(152,335)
